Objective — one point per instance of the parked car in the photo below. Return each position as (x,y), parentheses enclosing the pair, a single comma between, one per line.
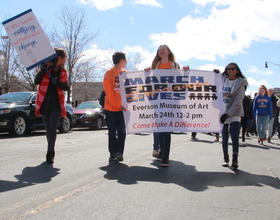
(89,114)
(17,114)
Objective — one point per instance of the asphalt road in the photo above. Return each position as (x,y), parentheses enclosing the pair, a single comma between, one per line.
(82,184)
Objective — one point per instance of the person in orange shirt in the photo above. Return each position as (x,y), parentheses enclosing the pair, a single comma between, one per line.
(164,59)
(113,108)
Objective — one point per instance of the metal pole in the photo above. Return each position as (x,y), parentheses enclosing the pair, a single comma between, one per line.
(275,64)
(8,67)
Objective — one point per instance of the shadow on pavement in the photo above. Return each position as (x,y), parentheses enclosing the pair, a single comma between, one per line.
(264,147)
(186,176)
(203,141)
(42,173)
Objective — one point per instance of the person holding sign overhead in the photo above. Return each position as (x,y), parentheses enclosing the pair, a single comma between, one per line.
(164,59)
(52,78)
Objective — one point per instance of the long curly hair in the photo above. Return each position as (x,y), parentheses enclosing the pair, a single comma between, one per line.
(157,58)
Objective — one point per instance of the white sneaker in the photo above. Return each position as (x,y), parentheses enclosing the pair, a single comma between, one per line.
(156,152)
(225,164)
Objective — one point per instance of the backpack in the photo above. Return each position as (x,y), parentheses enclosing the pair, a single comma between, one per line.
(102,98)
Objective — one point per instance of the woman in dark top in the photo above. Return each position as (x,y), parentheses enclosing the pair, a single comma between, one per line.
(50,103)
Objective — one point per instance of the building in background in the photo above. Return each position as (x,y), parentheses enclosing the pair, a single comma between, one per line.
(86,91)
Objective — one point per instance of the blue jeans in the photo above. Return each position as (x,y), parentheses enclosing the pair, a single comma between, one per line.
(233,130)
(165,141)
(51,120)
(156,141)
(116,131)
(262,122)
(270,127)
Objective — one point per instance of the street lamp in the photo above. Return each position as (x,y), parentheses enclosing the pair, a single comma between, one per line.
(266,62)
(8,62)
(266,66)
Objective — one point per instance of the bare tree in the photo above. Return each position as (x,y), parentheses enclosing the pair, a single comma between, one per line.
(26,78)
(72,33)
(133,61)
(2,67)
(8,62)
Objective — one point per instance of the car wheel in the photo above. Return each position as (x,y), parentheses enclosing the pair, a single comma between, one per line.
(99,124)
(19,126)
(65,125)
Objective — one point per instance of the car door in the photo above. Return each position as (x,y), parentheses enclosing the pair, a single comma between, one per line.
(35,121)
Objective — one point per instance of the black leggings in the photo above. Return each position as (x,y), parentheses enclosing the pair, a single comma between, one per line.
(51,120)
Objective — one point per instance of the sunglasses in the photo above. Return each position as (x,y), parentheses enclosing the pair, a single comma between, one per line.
(233,68)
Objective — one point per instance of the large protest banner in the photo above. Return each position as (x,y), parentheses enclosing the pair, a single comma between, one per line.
(29,39)
(172,100)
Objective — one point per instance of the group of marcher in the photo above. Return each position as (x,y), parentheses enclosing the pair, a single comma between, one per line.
(234,85)
(261,115)
(52,80)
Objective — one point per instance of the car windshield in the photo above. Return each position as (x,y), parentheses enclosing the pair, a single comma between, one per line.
(18,98)
(88,105)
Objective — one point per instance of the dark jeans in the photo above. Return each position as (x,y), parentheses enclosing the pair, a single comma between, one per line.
(233,130)
(51,120)
(156,141)
(254,127)
(244,126)
(276,126)
(165,141)
(116,130)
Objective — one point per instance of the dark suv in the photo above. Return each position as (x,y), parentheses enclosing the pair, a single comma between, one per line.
(17,114)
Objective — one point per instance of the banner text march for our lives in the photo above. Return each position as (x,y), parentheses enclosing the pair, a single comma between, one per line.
(29,39)
(172,100)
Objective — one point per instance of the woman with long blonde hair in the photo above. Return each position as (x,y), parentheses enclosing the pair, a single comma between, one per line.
(164,59)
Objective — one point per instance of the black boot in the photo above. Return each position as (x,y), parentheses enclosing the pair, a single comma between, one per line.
(234,162)
(226,160)
(50,157)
